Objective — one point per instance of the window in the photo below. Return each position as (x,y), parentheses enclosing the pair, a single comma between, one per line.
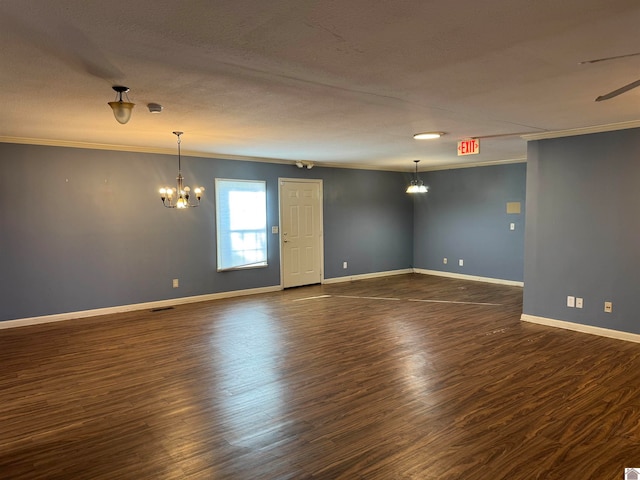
(241,219)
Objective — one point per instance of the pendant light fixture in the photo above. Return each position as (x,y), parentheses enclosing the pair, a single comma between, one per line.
(417,185)
(121,109)
(182,193)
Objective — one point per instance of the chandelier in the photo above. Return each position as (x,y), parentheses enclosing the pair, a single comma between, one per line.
(417,185)
(182,193)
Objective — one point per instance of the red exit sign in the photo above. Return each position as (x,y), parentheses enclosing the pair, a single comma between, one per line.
(469,147)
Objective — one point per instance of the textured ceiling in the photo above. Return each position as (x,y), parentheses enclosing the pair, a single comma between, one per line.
(333,82)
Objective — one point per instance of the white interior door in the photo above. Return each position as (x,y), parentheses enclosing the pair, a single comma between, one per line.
(301,232)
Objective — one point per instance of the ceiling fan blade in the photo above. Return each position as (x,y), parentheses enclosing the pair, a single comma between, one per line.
(619,91)
(608,58)
(502,135)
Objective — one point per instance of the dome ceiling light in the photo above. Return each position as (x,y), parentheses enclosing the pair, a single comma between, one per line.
(121,109)
(428,135)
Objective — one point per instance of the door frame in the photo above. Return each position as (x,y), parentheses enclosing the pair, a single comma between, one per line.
(318,181)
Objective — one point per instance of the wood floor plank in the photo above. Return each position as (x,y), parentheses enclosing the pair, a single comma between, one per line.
(404,377)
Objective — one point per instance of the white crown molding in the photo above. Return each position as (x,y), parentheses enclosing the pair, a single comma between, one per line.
(225,156)
(456,166)
(134,149)
(578,327)
(185,153)
(582,130)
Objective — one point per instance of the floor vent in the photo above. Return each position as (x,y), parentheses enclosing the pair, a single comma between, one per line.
(161,309)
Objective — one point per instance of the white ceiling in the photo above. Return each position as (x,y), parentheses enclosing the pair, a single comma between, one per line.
(333,82)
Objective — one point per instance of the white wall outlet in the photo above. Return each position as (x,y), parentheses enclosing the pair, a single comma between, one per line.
(176,283)
(444,260)
(579,302)
(344,265)
(608,307)
(571,301)
(512,226)
(461,262)
(274,229)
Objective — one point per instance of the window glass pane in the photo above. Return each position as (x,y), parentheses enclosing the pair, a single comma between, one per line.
(247,210)
(241,219)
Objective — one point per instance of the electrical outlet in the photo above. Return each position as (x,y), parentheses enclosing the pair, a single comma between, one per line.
(176,283)
(444,260)
(344,265)
(571,301)
(608,307)
(578,302)
(461,262)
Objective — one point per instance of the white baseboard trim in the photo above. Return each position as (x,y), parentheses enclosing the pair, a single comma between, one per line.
(474,278)
(578,327)
(364,276)
(59,317)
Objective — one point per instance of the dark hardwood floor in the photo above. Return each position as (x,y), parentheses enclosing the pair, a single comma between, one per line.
(406,377)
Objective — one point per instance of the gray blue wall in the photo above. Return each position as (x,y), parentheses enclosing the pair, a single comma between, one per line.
(373,235)
(85,229)
(464,216)
(583,229)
